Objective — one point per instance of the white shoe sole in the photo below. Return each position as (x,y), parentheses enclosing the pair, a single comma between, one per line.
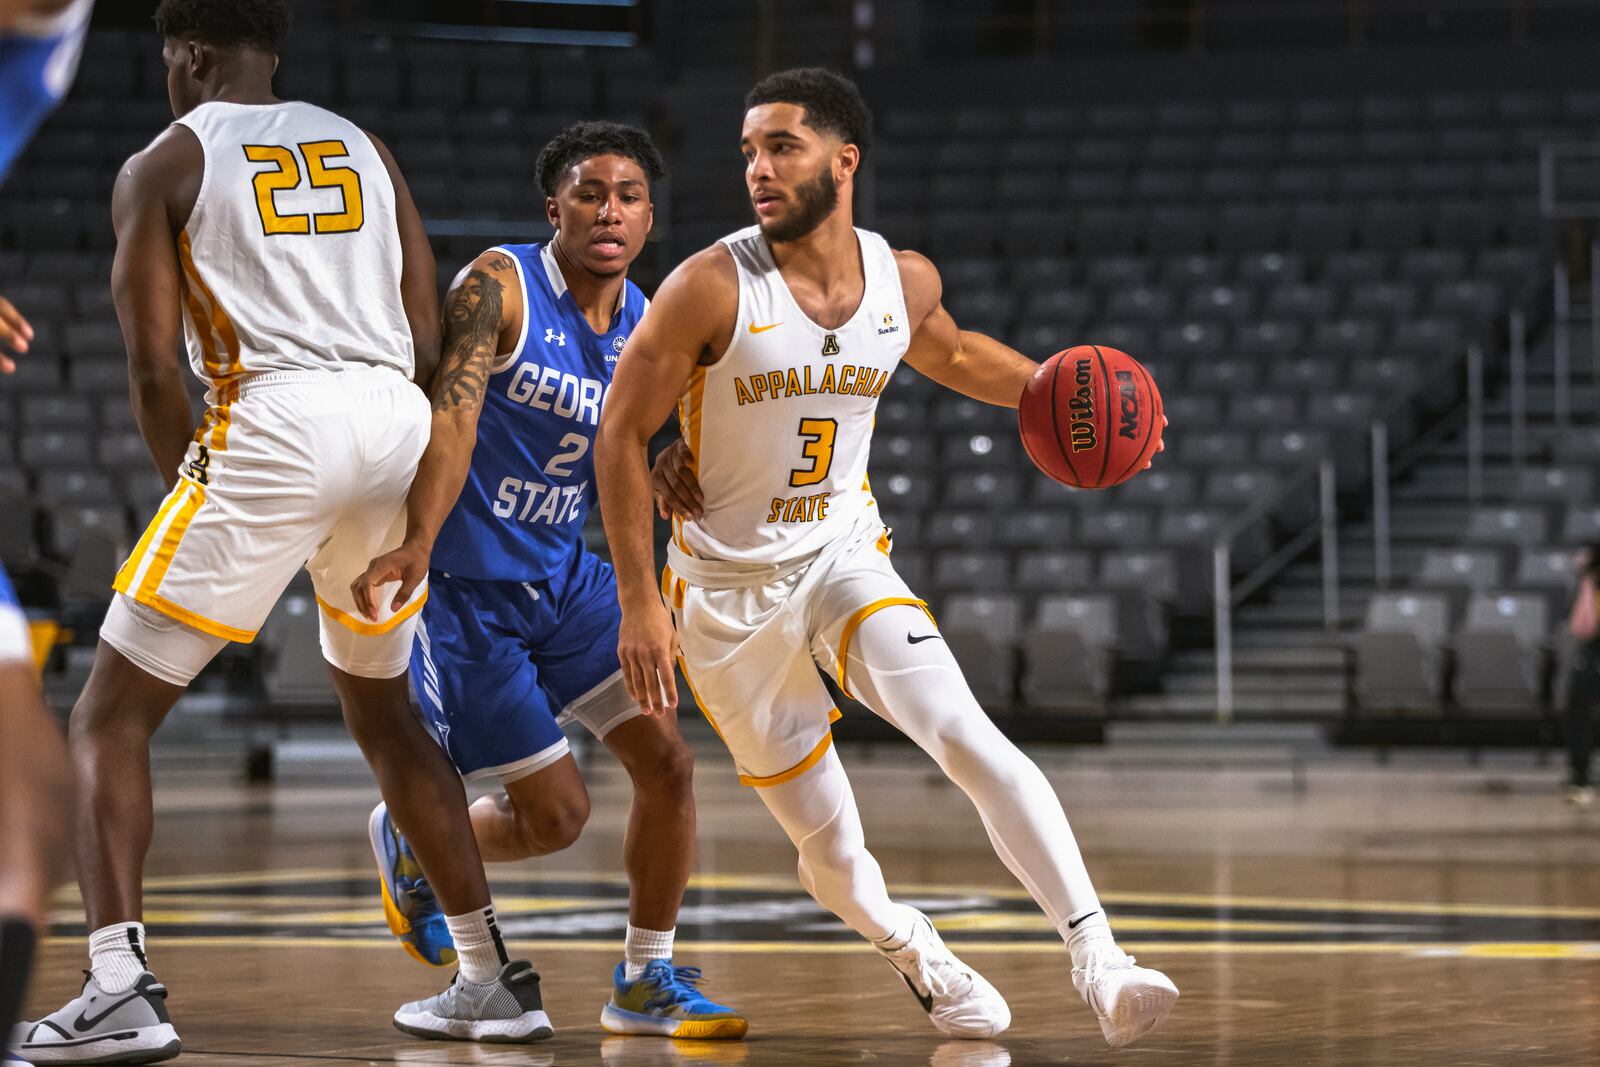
(530,1026)
(1137,1015)
(148,1044)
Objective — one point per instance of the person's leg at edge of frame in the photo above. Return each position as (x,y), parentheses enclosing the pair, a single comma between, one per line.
(1582,696)
(35,820)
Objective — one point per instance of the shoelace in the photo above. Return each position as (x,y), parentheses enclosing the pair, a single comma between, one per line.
(1100,962)
(674,985)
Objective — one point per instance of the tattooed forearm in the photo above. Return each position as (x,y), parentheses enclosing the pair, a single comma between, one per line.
(471,335)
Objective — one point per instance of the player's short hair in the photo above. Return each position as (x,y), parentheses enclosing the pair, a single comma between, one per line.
(585,140)
(260,24)
(831,101)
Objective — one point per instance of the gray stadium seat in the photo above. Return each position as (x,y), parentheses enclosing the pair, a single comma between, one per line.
(959,529)
(1500,656)
(1555,485)
(1067,654)
(1443,568)
(1053,571)
(1115,528)
(1581,525)
(1522,527)
(982,631)
(967,570)
(982,489)
(295,670)
(1398,660)
(1035,527)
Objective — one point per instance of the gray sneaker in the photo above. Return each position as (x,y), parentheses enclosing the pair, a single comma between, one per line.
(507,1010)
(100,1027)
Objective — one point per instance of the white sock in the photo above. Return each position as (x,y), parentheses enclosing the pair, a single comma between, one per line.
(479,950)
(643,946)
(1086,932)
(116,956)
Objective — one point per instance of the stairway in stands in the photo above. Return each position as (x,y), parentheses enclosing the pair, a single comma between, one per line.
(1287,664)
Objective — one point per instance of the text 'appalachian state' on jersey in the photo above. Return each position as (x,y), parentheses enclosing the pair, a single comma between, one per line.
(781,425)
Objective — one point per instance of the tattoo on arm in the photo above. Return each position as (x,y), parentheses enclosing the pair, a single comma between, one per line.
(471,336)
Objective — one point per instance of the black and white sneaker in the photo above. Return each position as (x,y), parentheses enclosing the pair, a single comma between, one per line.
(100,1027)
(507,1010)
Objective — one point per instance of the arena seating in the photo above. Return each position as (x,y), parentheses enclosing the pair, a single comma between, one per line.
(1288,268)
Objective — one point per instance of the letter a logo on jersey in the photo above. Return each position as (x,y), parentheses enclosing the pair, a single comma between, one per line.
(830,346)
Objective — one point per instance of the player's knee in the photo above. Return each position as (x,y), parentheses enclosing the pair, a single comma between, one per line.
(554,826)
(668,771)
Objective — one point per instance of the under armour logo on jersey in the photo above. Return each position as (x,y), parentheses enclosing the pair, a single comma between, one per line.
(830,346)
(551,337)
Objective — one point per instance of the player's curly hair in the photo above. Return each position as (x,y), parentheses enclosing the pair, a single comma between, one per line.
(584,140)
(832,102)
(260,24)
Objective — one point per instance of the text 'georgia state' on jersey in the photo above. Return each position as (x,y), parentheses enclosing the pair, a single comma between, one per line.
(531,484)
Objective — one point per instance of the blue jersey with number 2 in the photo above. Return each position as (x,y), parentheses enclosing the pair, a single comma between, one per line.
(531,485)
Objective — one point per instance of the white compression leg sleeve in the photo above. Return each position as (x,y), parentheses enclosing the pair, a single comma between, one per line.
(921,691)
(818,812)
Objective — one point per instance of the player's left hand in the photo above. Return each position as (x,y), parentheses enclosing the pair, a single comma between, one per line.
(407,565)
(15,334)
(1161,445)
(676,488)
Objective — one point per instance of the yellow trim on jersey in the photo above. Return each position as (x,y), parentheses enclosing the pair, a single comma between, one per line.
(130,567)
(212,327)
(696,397)
(885,542)
(861,616)
(811,760)
(373,629)
(199,622)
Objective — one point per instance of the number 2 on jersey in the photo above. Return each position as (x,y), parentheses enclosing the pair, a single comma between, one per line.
(818,435)
(287,175)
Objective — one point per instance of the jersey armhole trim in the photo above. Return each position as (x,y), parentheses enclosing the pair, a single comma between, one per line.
(197,212)
(504,360)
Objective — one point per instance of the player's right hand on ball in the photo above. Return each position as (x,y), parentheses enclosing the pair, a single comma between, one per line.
(407,565)
(647,645)
(676,488)
(15,334)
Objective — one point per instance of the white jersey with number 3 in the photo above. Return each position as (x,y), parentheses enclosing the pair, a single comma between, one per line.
(781,426)
(291,258)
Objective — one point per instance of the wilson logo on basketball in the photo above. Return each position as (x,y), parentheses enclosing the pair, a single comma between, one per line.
(1081,410)
(1130,405)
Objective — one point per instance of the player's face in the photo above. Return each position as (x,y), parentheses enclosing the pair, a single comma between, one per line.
(792,171)
(603,212)
(183,89)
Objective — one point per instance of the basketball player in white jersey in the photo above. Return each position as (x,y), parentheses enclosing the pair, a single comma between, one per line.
(280,242)
(779,340)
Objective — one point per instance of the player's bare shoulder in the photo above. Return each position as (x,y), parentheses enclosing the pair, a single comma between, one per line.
(698,304)
(921,284)
(170,169)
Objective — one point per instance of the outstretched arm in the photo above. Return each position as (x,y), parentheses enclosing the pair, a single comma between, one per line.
(694,308)
(476,318)
(969,363)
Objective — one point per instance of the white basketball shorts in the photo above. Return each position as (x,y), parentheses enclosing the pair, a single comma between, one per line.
(752,638)
(301,469)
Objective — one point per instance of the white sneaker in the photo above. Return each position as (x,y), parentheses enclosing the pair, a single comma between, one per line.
(1129,1001)
(1580,796)
(100,1027)
(959,1001)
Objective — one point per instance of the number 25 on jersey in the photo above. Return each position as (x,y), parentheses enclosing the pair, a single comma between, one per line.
(287,174)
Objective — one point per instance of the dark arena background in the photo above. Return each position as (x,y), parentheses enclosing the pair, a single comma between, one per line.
(1304,687)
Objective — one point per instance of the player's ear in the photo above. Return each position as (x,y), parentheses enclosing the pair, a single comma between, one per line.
(847,161)
(552,212)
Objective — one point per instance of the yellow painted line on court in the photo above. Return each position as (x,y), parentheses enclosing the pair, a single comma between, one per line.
(788,882)
(1021,921)
(1504,952)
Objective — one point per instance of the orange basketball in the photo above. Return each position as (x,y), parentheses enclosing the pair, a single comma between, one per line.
(1090,417)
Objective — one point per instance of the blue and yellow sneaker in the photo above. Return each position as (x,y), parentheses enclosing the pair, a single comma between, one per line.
(664,1001)
(409,905)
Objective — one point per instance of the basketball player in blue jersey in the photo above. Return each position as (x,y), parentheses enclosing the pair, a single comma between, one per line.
(519,634)
(40,41)
(776,343)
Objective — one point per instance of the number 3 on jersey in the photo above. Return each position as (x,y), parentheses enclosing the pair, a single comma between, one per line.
(287,175)
(818,435)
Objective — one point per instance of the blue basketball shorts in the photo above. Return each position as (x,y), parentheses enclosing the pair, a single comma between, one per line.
(501,667)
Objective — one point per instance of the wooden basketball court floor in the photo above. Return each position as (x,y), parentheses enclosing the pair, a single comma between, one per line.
(1430,913)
